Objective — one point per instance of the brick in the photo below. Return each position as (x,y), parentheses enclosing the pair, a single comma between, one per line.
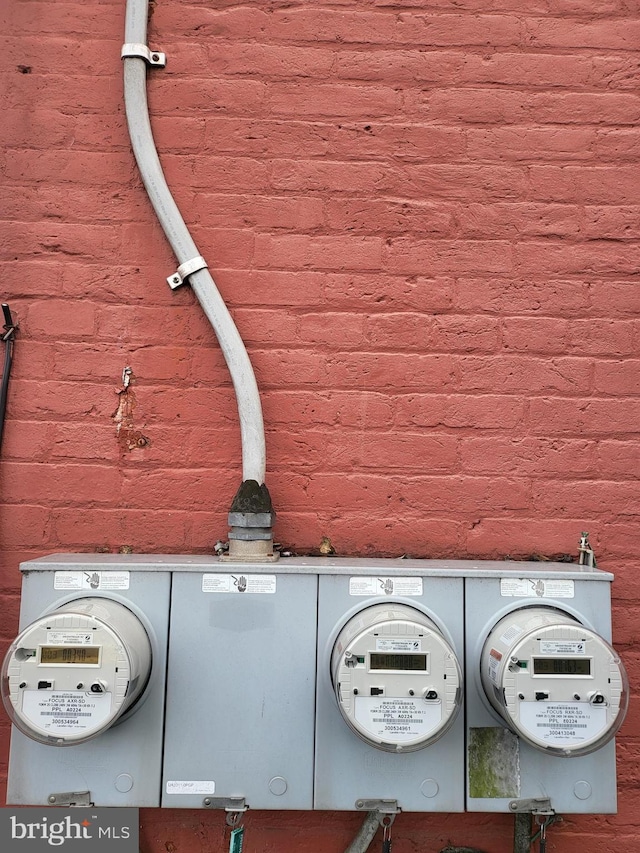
(473,106)
(331,330)
(393,451)
(72,484)
(598,417)
(90,94)
(274,138)
(439,334)
(618,378)
(196,96)
(535,335)
(500,537)
(74,167)
(613,71)
(530,457)
(23,524)
(612,222)
(605,499)
(272,60)
(400,65)
(264,212)
(58,400)
(328,408)
(460,411)
(615,298)
(57,318)
(333,253)
(585,108)
(146,530)
(82,442)
(618,34)
(600,257)
(530,70)
(273,288)
(26,440)
(309,176)
(442,257)
(517,374)
(519,219)
(523,296)
(602,337)
(595,185)
(376,291)
(618,459)
(470,183)
(532,143)
(58,240)
(387,216)
(387,371)
(219,173)
(617,145)
(372,139)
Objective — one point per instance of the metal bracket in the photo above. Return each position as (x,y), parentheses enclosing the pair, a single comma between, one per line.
(385,808)
(533,805)
(185,270)
(231,804)
(141,51)
(71,798)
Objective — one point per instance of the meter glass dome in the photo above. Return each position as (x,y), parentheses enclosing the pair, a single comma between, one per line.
(396,678)
(72,673)
(558,685)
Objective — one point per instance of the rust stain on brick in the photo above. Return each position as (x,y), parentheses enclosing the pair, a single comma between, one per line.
(129,437)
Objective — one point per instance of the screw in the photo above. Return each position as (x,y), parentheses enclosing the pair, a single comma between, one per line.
(513,806)
(412,693)
(355,691)
(520,695)
(155,57)
(23,684)
(176,279)
(359,804)
(207,801)
(79,686)
(576,696)
(52,799)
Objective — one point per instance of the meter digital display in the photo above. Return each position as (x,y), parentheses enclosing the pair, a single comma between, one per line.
(86,655)
(396,677)
(561,666)
(73,673)
(397,662)
(558,685)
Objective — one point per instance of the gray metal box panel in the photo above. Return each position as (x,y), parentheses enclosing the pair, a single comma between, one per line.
(128,755)
(240,691)
(347,768)
(566,781)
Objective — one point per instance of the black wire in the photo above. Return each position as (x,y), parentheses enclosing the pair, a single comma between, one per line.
(9,341)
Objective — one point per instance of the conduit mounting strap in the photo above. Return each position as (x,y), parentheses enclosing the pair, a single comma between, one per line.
(141,51)
(185,270)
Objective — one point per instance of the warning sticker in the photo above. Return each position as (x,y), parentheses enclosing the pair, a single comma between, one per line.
(561,723)
(250,584)
(511,634)
(385,586)
(191,787)
(91,580)
(494,664)
(397,720)
(62,713)
(537,587)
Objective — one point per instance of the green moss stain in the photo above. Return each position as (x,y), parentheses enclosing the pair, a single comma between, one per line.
(494,766)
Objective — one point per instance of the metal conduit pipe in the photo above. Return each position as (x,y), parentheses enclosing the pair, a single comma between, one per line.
(251,536)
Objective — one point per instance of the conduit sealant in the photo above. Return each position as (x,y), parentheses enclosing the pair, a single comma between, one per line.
(184,248)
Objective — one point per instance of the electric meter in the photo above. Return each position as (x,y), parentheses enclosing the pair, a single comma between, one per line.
(396,678)
(71,674)
(557,684)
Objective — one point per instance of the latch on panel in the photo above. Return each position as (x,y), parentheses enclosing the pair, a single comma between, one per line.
(532,805)
(71,798)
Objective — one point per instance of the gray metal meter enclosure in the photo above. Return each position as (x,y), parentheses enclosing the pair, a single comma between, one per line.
(338,684)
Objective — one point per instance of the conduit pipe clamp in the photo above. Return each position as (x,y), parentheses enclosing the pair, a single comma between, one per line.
(141,51)
(185,270)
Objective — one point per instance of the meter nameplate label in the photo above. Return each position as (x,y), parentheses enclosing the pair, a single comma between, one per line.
(561,723)
(70,638)
(385,586)
(397,720)
(59,712)
(91,580)
(537,587)
(191,787)
(250,584)
(398,645)
(562,647)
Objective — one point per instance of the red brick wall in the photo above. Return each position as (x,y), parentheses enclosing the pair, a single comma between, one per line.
(424,219)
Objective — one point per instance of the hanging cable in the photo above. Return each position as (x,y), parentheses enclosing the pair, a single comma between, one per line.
(8,337)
